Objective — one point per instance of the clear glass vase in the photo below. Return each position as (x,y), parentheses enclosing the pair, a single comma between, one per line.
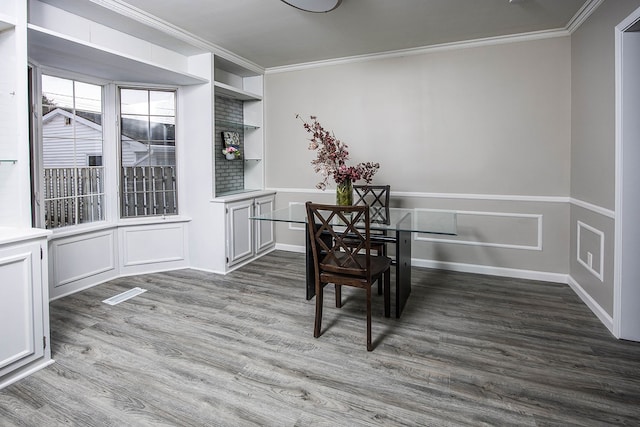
(344,193)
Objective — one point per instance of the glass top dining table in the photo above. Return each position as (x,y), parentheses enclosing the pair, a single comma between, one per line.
(399,225)
(416,220)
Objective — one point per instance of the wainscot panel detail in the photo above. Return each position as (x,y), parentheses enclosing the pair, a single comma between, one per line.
(153,244)
(292,226)
(590,249)
(78,257)
(477,228)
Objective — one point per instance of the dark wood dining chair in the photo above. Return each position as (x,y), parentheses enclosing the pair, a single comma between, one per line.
(342,263)
(377,197)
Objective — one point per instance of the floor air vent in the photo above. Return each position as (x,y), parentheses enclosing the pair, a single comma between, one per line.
(117,299)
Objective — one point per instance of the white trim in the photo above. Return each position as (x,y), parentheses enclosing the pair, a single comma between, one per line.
(10,379)
(489,41)
(292,225)
(593,208)
(600,313)
(122,8)
(290,248)
(542,276)
(536,247)
(585,11)
(598,274)
(422,195)
(617,233)
(466,268)
(110,264)
(618,218)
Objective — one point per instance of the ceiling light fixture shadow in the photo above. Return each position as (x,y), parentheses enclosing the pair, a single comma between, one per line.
(316,6)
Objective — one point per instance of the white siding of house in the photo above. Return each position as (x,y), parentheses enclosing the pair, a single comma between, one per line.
(57,144)
(58,147)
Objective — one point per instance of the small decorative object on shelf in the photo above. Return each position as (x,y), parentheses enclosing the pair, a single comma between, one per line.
(231,153)
(331,161)
(231,145)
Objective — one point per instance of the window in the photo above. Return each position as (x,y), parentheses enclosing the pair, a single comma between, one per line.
(94,160)
(148,152)
(71,129)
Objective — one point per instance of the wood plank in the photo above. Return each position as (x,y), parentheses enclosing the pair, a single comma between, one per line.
(203,349)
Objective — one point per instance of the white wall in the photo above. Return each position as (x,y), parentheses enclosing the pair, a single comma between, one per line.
(593,151)
(484,129)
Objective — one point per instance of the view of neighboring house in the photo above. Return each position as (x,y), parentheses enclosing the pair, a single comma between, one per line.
(59,132)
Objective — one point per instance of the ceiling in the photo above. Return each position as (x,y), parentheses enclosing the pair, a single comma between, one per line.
(271,34)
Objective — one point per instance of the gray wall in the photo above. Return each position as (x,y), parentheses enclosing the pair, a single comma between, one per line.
(483,129)
(593,147)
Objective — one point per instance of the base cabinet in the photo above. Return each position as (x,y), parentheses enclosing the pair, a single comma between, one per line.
(247,238)
(24,309)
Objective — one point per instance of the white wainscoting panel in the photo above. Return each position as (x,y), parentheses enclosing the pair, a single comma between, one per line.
(494,229)
(293,226)
(152,244)
(590,249)
(82,256)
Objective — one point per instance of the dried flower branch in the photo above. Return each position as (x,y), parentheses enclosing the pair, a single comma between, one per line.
(333,155)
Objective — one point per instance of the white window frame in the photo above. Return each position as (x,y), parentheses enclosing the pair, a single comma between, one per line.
(37,148)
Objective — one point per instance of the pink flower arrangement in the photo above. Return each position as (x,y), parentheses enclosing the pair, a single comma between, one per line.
(231,150)
(332,157)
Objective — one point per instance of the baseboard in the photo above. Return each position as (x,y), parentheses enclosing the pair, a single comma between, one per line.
(290,248)
(600,313)
(491,270)
(467,268)
(86,286)
(24,372)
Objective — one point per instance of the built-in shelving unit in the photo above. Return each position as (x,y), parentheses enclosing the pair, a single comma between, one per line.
(6,22)
(240,89)
(228,123)
(229,91)
(65,52)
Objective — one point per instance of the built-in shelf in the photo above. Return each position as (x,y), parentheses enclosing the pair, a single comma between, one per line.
(229,91)
(6,22)
(236,125)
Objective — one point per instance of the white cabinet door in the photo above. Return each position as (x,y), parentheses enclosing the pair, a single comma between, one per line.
(264,230)
(239,231)
(21,306)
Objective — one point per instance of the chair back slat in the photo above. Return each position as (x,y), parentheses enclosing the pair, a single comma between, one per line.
(340,238)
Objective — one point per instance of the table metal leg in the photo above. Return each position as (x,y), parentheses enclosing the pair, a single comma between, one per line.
(403,269)
(310,267)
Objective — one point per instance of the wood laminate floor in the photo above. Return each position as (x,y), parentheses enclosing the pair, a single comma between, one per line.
(238,350)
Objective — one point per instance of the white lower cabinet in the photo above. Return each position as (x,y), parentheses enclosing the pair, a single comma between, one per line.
(247,238)
(24,307)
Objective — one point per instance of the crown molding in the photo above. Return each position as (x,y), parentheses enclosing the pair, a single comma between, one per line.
(126,10)
(489,41)
(574,23)
(581,15)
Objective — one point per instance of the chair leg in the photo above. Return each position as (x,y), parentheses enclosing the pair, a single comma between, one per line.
(318,322)
(369,345)
(338,296)
(387,293)
(382,250)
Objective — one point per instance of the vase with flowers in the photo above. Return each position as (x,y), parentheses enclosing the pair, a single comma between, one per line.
(331,161)
(231,153)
